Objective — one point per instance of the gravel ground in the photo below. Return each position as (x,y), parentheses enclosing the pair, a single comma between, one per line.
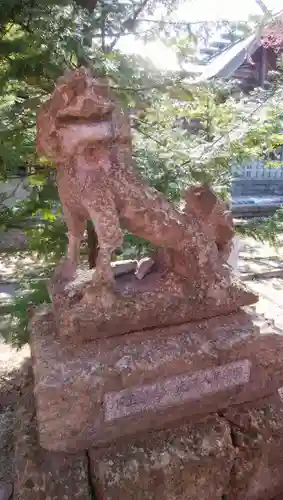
(262,269)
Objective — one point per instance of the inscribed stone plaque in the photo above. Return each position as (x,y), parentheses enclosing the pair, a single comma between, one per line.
(176,390)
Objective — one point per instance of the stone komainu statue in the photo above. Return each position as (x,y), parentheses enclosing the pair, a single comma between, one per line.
(84,130)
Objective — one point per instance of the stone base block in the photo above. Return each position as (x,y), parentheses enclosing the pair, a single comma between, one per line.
(257,433)
(183,463)
(108,389)
(189,460)
(40,474)
(85,312)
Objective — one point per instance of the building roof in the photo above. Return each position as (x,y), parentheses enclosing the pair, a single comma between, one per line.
(229,60)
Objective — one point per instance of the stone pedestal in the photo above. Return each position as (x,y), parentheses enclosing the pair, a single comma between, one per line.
(92,394)
(85,312)
(186,412)
(235,455)
(41,474)
(257,430)
(185,462)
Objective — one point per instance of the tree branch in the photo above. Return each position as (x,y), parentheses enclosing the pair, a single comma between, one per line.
(128,24)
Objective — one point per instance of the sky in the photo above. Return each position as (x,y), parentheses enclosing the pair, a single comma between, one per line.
(196,10)
(211,10)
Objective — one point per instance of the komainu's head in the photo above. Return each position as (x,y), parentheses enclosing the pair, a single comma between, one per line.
(72,114)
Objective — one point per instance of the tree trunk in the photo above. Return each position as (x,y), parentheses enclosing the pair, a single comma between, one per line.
(92,244)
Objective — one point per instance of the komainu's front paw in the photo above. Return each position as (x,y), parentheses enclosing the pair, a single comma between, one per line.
(64,271)
(103,279)
(101,292)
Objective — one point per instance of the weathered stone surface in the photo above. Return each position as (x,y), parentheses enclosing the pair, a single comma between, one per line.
(183,463)
(257,432)
(157,300)
(39,474)
(101,391)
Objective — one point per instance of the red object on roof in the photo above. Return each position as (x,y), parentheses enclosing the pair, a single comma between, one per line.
(272,37)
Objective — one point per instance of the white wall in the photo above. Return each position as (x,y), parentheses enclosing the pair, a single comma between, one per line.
(256,170)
